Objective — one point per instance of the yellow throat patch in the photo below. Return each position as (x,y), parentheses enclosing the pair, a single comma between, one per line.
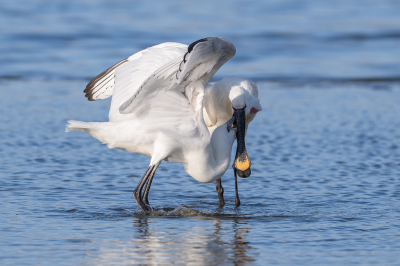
(242,165)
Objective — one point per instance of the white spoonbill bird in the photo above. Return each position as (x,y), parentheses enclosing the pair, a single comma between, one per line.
(157,111)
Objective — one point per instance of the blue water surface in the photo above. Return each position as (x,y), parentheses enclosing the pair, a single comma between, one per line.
(325,150)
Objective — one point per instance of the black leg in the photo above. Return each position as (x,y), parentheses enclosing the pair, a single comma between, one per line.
(220,191)
(148,184)
(237,200)
(137,194)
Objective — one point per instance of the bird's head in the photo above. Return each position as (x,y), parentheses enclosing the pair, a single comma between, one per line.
(245,106)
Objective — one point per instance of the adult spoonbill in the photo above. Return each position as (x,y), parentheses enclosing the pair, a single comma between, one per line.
(157,111)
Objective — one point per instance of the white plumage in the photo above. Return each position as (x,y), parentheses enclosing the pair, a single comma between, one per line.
(227,94)
(157,109)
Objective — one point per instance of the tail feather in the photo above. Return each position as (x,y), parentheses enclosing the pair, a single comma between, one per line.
(80,126)
(100,130)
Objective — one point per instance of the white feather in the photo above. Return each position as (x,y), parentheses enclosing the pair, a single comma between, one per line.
(158,101)
(155,114)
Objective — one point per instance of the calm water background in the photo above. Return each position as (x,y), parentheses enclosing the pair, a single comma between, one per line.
(325,184)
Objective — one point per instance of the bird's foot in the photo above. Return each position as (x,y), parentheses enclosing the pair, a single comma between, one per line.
(138,198)
(221,199)
(220,191)
(150,208)
(237,202)
(146,202)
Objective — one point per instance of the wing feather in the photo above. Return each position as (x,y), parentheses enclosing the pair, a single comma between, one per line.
(202,59)
(146,62)
(101,86)
(131,75)
(163,83)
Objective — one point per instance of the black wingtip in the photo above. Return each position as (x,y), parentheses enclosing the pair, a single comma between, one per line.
(191,46)
(92,84)
(88,91)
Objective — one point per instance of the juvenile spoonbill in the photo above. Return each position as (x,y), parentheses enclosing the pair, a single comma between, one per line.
(157,111)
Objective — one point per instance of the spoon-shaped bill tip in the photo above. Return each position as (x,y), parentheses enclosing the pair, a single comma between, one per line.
(244,174)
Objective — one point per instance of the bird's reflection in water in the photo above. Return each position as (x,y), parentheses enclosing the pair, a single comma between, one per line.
(241,246)
(143,227)
(196,240)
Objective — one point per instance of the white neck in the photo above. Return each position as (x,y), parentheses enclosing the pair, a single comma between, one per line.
(211,162)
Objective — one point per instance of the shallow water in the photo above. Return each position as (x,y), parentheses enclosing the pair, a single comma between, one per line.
(324,188)
(325,150)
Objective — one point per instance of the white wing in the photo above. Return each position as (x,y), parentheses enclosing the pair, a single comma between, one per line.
(131,72)
(188,75)
(130,76)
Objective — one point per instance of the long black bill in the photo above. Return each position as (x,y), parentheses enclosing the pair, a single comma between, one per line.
(242,161)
